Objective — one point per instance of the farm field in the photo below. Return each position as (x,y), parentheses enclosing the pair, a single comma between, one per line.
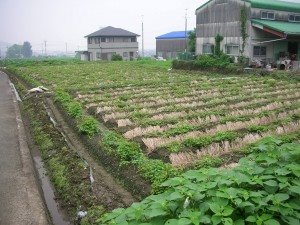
(178,117)
(146,124)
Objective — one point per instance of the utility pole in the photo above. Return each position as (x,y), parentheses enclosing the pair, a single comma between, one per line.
(143,53)
(45,44)
(185,30)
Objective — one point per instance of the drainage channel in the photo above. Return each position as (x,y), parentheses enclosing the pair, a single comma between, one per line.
(58,217)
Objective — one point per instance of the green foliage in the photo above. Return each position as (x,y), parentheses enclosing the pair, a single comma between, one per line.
(257,128)
(116,57)
(154,171)
(74,109)
(208,161)
(59,170)
(26,49)
(14,51)
(93,214)
(243,29)
(88,125)
(207,62)
(192,41)
(19,51)
(218,40)
(263,189)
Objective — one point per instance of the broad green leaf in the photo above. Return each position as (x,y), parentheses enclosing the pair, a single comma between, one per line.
(271,222)
(227,211)
(239,222)
(295,189)
(216,208)
(216,219)
(251,219)
(204,219)
(184,221)
(155,212)
(271,183)
(175,195)
(281,197)
(172,222)
(227,221)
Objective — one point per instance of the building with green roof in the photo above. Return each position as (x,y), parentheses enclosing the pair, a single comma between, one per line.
(273,28)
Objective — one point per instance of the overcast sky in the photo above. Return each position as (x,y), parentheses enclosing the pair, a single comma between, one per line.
(68,21)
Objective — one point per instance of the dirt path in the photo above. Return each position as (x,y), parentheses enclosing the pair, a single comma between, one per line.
(20,199)
(105,187)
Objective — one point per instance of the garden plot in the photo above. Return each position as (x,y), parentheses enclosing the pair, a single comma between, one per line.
(187,119)
(181,115)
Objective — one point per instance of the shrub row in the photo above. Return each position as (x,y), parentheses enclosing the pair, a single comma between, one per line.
(207,62)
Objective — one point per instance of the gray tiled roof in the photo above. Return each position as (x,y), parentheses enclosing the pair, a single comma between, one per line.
(112,32)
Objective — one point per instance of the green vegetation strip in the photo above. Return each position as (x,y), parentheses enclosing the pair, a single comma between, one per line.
(263,189)
(129,153)
(67,171)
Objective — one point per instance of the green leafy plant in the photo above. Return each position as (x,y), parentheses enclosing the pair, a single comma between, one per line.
(116,57)
(263,189)
(89,126)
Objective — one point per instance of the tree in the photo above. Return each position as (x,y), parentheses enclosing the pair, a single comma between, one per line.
(26,49)
(14,51)
(192,41)
(243,22)
(218,40)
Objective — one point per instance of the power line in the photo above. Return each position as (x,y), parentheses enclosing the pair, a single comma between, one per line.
(185,30)
(45,42)
(143,36)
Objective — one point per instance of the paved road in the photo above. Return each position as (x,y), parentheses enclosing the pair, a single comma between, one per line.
(20,200)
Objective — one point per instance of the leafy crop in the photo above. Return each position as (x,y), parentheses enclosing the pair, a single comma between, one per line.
(263,189)
(89,126)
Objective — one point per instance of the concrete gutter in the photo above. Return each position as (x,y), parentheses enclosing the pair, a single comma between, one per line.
(20,199)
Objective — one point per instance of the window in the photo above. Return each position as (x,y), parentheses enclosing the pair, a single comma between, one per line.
(259,51)
(98,55)
(110,39)
(232,49)
(103,39)
(294,18)
(268,15)
(97,40)
(207,49)
(133,39)
(125,54)
(90,40)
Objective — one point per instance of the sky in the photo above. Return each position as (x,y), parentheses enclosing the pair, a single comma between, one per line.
(64,23)
(67,21)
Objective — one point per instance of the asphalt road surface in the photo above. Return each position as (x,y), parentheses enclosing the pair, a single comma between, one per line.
(20,200)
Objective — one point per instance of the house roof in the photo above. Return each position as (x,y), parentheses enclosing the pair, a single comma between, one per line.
(112,32)
(282,5)
(280,26)
(276,5)
(174,35)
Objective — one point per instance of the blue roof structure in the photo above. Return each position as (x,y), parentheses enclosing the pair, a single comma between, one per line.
(174,35)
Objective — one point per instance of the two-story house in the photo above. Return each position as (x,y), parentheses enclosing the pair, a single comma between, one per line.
(106,42)
(273,28)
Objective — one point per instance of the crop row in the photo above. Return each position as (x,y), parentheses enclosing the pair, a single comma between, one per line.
(141,131)
(87,97)
(153,143)
(160,98)
(231,102)
(187,158)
